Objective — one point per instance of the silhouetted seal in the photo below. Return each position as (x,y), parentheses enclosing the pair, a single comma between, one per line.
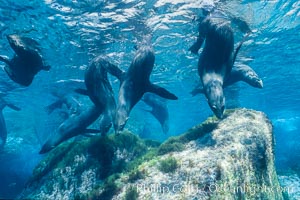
(135,82)
(27,61)
(72,104)
(3,130)
(159,110)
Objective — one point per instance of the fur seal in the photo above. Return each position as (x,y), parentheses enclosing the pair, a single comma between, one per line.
(27,61)
(75,125)
(100,92)
(72,104)
(216,60)
(3,130)
(135,82)
(99,89)
(159,110)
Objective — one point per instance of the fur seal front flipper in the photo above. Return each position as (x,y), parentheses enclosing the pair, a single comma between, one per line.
(5,59)
(160,91)
(239,47)
(13,107)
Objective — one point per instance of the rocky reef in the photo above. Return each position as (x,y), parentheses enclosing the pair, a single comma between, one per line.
(231,158)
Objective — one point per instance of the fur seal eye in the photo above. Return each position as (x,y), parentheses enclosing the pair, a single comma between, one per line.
(214,107)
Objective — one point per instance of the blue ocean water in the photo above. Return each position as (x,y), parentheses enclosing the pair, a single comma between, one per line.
(71,33)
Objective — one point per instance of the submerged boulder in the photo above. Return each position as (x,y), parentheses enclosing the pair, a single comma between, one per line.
(228,159)
(85,168)
(218,159)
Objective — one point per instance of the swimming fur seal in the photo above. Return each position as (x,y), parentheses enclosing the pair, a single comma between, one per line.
(216,60)
(238,73)
(135,82)
(159,110)
(99,89)
(72,104)
(27,61)
(75,125)
(3,130)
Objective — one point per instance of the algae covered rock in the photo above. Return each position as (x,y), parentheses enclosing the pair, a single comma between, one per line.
(228,159)
(218,159)
(85,168)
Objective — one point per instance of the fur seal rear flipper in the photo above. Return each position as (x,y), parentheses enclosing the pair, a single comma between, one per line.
(238,73)
(246,74)
(134,83)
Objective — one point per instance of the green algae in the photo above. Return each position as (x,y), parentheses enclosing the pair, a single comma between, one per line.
(172,145)
(135,175)
(131,194)
(55,158)
(168,165)
(102,150)
(141,153)
(104,190)
(110,188)
(176,143)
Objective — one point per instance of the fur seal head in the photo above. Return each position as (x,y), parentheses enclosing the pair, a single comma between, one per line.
(121,117)
(215,97)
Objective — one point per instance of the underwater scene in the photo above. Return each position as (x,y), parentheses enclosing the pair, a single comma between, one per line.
(156,99)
